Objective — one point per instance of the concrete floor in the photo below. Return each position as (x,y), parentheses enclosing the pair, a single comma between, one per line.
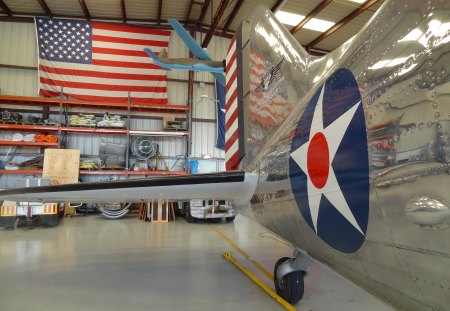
(90,263)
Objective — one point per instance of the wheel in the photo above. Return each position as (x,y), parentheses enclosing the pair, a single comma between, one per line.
(189,217)
(231,219)
(114,210)
(292,286)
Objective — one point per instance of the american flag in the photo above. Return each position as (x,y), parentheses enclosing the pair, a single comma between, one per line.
(101,62)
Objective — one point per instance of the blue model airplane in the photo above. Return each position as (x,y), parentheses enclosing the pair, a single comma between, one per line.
(202,62)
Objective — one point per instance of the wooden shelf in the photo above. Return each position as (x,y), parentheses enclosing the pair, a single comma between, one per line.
(27,144)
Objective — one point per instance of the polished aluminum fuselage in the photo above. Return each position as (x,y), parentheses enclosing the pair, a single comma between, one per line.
(401,62)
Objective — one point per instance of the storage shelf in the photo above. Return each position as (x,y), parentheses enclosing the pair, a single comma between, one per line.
(24,172)
(160,133)
(27,144)
(32,128)
(105,172)
(42,101)
(98,130)
(119,172)
(71,129)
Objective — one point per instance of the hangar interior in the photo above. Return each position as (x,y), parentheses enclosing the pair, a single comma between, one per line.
(54,132)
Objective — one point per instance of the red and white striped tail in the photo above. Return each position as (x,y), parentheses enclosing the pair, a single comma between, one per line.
(232,113)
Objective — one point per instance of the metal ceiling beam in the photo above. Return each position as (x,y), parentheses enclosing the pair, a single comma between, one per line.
(160,4)
(311,14)
(45,7)
(215,23)
(190,9)
(85,9)
(5,8)
(233,14)
(278,5)
(203,12)
(124,11)
(343,22)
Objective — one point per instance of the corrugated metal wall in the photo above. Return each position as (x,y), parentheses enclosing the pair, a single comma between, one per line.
(18,48)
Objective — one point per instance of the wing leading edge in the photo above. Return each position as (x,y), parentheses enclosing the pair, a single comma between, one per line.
(233,185)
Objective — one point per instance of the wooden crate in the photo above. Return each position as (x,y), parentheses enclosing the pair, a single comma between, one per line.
(61,166)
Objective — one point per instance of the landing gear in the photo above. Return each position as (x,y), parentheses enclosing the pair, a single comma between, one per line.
(288,276)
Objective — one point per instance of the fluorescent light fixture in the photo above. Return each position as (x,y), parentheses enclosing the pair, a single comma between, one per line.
(292,19)
(287,18)
(318,25)
(357,1)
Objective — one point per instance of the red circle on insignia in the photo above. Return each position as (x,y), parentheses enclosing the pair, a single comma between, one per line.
(318,160)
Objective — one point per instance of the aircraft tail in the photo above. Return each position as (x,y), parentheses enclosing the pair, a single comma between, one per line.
(267,75)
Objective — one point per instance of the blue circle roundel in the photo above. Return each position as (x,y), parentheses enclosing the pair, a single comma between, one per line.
(329,167)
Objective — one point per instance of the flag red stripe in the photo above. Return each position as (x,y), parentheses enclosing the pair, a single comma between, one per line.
(113,63)
(231,140)
(232,59)
(233,40)
(130,41)
(231,80)
(104,87)
(155,101)
(158,32)
(233,117)
(230,100)
(120,52)
(100,74)
(232,162)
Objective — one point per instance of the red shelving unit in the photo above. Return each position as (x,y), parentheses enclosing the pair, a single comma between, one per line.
(30,128)
(46,103)
(27,144)
(21,172)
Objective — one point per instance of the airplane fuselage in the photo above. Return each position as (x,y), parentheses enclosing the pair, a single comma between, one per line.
(353,150)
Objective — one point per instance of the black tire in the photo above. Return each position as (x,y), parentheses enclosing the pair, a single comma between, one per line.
(292,286)
(231,219)
(189,217)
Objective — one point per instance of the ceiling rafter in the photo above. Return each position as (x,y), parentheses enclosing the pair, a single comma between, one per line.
(311,14)
(363,7)
(45,8)
(85,9)
(277,5)
(124,11)
(203,12)
(160,4)
(189,10)
(5,8)
(233,14)
(217,17)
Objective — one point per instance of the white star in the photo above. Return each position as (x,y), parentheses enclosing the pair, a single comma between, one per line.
(333,135)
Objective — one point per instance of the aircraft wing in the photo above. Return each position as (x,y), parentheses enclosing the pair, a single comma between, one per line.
(193,45)
(156,59)
(235,186)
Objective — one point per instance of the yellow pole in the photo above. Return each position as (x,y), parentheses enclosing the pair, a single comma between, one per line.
(241,251)
(279,299)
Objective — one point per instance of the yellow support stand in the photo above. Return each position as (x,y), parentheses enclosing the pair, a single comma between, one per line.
(279,299)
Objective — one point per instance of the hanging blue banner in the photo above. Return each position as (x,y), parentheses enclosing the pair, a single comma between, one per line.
(220,95)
